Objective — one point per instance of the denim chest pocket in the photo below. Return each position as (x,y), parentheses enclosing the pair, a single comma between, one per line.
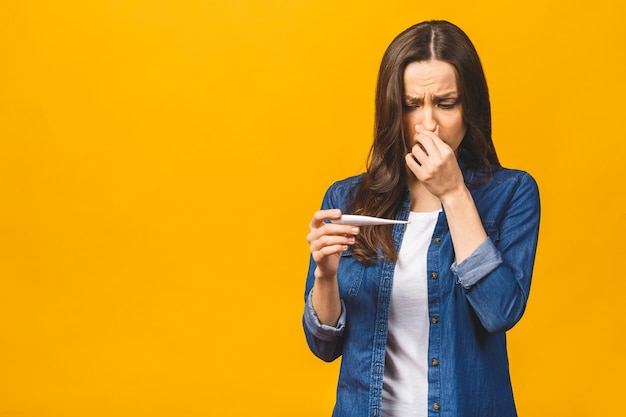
(349,275)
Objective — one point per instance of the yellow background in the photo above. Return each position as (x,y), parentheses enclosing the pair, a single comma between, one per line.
(160,161)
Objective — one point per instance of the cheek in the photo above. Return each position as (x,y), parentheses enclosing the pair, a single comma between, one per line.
(454,132)
(459,134)
(461,129)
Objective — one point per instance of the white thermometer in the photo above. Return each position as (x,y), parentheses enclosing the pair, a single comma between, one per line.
(356,220)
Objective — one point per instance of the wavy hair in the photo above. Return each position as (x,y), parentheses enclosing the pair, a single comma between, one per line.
(384,186)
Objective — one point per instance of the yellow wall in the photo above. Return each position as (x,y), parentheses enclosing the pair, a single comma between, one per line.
(160,160)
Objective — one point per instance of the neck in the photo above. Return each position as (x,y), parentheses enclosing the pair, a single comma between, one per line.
(421,199)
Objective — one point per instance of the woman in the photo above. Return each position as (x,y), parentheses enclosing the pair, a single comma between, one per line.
(418,312)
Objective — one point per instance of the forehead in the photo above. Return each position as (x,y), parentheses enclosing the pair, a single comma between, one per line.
(429,77)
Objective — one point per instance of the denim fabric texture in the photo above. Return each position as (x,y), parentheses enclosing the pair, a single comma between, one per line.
(471,305)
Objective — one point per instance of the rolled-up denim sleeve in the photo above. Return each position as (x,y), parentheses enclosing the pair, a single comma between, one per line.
(485,258)
(319,330)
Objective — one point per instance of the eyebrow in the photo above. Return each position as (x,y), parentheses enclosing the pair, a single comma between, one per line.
(444,96)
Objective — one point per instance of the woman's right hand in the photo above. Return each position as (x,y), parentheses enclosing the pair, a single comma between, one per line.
(328,240)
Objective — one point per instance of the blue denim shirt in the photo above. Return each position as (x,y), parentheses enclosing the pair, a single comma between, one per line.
(471,306)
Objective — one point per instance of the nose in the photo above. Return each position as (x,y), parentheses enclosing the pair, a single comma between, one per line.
(429,122)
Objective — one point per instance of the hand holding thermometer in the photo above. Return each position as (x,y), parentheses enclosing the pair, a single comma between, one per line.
(356,220)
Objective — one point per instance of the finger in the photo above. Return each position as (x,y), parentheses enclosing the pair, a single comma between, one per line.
(421,155)
(327,251)
(427,141)
(331,241)
(436,140)
(329,246)
(431,134)
(434,147)
(331,229)
(422,139)
(418,146)
(423,167)
(319,238)
(413,164)
(320,216)
(420,152)
(422,129)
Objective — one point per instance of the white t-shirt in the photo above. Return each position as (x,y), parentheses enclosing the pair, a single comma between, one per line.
(405,383)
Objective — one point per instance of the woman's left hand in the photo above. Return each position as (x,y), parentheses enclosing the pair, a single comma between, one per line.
(434,163)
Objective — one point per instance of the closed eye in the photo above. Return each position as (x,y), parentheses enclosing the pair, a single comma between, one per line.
(411,103)
(447,101)
(444,102)
(448,105)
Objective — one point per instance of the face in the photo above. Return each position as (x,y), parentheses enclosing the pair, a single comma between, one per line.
(431,99)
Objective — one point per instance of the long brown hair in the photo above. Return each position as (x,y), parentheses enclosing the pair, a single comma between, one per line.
(384,186)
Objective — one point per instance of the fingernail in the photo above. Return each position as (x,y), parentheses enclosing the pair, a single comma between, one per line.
(355,230)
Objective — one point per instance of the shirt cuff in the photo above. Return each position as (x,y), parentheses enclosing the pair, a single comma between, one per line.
(319,330)
(478,265)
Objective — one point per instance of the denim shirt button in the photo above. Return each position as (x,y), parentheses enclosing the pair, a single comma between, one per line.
(436,406)
(381,327)
(434,275)
(386,283)
(434,320)
(435,362)
(437,240)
